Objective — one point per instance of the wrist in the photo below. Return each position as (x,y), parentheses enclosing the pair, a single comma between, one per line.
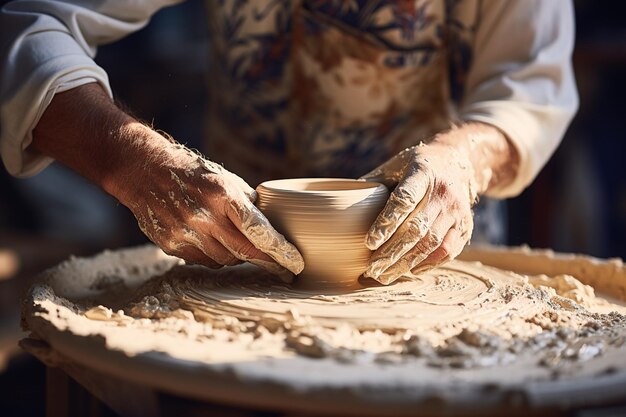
(458,157)
(136,156)
(83,129)
(493,158)
(79,128)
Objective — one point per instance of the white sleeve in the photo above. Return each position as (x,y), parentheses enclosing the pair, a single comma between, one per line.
(521,79)
(48,47)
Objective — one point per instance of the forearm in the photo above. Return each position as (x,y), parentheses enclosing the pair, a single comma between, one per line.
(47,47)
(525,87)
(189,206)
(493,158)
(84,130)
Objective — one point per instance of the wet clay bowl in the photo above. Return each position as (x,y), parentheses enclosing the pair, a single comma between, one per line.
(327,219)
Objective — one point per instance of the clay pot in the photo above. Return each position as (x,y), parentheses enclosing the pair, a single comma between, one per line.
(327,219)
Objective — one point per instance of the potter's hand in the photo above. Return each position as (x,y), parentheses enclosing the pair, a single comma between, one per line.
(428,217)
(197,210)
(190,207)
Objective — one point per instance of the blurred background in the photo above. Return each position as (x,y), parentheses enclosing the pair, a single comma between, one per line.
(577,204)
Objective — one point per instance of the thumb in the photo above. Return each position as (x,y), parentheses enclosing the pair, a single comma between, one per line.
(390,172)
(381,176)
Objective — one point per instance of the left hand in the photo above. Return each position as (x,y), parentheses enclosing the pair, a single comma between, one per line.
(428,217)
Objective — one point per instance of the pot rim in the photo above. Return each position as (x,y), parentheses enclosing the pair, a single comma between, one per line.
(296,186)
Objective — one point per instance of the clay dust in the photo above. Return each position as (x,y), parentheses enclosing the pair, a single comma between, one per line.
(464,315)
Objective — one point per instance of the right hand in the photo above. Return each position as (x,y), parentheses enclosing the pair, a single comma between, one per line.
(190,207)
(195,209)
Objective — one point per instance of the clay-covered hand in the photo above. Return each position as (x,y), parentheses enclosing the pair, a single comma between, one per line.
(428,217)
(187,205)
(197,210)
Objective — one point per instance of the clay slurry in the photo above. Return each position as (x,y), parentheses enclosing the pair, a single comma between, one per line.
(463,315)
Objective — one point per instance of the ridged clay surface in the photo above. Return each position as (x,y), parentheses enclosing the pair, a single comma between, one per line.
(327,219)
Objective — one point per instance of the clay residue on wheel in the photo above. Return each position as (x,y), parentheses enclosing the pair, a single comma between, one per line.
(464,315)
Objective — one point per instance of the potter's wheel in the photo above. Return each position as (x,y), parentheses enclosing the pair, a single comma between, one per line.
(484,341)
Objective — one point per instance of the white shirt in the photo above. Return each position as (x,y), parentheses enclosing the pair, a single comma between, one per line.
(349,74)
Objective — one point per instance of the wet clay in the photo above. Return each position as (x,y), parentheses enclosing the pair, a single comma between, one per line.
(463,315)
(327,219)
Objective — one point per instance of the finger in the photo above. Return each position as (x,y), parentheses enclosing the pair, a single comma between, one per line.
(190,254)
(410,193)
(449,249)
(194,256)
(390,172)
(210,247)
(240,247)
(453,244)
(414,228)
(216,251)
(237,244)
(422,249)
(258,230)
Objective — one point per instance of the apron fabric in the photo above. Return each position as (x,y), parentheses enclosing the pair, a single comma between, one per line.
(333,88)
